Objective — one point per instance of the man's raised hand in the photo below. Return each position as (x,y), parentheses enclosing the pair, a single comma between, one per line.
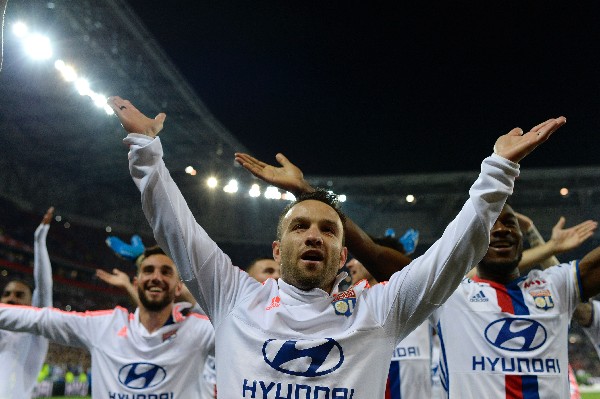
(516,145)
(567,239)
(133,120)
(287,177)
(48,216)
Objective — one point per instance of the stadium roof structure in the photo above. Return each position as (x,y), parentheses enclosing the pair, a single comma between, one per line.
(58,149)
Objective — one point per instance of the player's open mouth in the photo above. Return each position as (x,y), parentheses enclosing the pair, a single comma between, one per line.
(312,255)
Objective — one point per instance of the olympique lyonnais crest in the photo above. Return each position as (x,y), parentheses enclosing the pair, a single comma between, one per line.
(344,302)
(542,299)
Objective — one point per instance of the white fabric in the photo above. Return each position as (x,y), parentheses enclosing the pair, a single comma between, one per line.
(410,374)
(22,354)
(275,340)
(126,359)
(493,335)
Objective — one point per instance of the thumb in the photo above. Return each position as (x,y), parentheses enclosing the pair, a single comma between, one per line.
(160,117)
(283,161)
(517,131)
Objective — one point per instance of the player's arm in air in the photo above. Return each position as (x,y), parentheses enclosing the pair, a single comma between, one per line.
(562,240)
(379,260)
(119,280)
(42,269)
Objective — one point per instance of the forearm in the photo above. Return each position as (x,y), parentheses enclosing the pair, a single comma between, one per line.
(540,251)
(42,269)
(380,261)
(589,269)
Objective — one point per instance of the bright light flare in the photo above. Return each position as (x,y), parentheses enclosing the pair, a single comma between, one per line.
(564,191)
(212,182)
(231,187)
(272,193)
(20,29)
(83,87)
(410,198)
(38,47)
(254,191)
(342,198)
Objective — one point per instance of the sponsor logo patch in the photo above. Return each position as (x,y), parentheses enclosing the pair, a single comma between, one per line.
(141,375)
(479,297)
(306,358)
(516,334)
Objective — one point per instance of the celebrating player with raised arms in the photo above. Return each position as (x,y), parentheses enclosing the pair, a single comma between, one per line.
(298,336)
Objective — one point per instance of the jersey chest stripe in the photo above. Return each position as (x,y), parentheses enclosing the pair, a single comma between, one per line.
(510,298)
(521,387)
(393,388)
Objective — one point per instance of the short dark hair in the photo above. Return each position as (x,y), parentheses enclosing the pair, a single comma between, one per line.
(389,242)
(149,251)
(319,194)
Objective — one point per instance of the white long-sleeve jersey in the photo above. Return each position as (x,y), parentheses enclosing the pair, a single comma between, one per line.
(127,361)
(275,340)
(22,354)
(508,341)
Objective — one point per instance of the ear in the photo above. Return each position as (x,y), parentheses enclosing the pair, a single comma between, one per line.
(178,288)
(135,282)
(343,257)
(276,251)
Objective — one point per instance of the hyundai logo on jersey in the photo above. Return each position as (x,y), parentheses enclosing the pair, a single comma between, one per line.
(308,358)
(141,375)
(516,334)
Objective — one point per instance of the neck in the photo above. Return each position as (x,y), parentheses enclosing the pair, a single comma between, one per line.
(498,276)
(153,320)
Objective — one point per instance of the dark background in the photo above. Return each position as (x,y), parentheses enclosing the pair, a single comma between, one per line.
(355,88)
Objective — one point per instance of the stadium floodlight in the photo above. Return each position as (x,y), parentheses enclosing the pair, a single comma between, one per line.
(564,191)
(288,196)
(212,182)
(99,99)
(272,193)
(231,187)
(410,198)
(83,87)
(254,191)
(342,198)
(38,47)
(108,229)
(20,29)
(67,71)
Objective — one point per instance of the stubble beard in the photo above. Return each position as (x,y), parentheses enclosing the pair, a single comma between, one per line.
(293,274)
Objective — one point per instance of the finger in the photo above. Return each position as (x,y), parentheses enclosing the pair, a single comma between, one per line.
(283,161)
(539,126)
(561,223)
(160,117)
(517,131)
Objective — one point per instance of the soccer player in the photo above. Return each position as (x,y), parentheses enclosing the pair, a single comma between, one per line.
(298,336)
(504,335)
(22,354)
(159,351)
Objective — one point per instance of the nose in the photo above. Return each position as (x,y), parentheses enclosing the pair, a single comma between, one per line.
(313,236)
(499,229)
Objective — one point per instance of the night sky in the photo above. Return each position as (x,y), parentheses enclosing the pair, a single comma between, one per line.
(357,88)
